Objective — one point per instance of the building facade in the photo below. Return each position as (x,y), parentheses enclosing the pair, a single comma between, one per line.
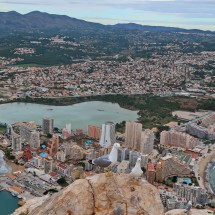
(48,125)
(133,132)
(150,173)
(147,141)
(94,131)
(108,137)
(178,139)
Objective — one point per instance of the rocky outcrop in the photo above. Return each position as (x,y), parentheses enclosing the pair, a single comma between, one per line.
(99,195)
(191,212)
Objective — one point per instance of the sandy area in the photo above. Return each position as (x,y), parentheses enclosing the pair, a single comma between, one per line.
(14,167)
(203,163)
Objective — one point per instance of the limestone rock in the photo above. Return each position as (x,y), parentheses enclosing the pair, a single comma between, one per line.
(99,195)
(191,212)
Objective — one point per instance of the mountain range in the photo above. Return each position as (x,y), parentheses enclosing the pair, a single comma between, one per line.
(39,21)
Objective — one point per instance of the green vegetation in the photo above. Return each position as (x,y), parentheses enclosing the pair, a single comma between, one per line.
(62,182)
(3,129)
(194,180)
(8,154)
(208,104)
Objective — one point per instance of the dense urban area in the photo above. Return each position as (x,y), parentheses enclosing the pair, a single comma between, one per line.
(168,77)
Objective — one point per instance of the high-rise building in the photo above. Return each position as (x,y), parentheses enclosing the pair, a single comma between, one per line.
(147,141)
(16,142)
(48,125)
(108,137)
(61,156)
(65,133)
(53,145)
(133,135)
(133,155)
(178,139)
(170,166)
(27,154)
(94,131)
(35,140)
(69,127)
(48,165)
(150,173)
(38,161)
(123,154)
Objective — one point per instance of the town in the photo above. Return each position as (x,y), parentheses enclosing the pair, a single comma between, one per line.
(177,161)
(170,69)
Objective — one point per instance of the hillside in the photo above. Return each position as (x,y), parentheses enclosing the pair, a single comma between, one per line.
(39,21)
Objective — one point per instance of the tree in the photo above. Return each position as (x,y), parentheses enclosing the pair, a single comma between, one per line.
(174,179)
(49,135)
(61,181)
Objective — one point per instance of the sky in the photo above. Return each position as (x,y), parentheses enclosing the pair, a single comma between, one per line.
(190,14)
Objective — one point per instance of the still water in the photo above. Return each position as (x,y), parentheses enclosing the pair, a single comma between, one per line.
(79,115)
(8,203)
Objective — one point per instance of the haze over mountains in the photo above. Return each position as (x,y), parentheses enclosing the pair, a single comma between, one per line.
(39,21)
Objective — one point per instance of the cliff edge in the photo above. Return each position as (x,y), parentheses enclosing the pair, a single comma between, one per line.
(99,195)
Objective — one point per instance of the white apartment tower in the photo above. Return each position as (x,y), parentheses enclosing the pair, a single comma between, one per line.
(108,137)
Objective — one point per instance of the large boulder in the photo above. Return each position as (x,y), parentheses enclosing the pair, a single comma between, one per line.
(99,195)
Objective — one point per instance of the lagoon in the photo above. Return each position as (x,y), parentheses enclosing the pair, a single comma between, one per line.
(79,115)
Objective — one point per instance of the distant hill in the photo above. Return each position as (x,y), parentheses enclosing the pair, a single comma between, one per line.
(34,21)
(134,26)
(39,21)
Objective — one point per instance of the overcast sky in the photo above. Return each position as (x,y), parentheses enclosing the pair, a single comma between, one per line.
(180,13)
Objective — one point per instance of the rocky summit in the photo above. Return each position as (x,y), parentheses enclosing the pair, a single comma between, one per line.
(99,195)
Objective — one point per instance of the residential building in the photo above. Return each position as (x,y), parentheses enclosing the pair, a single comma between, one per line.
(133,135)
(48,165)
(53,145)
(38,161)
(66,133)
(62,169)
(48,125)
(192,193)
(35,139)
(150,173)
(94,131)
(147,141)
(123,154)
(61,156)
(133,155)
(16,142)
(178,139)
(108,135)
(169,166)
(176,203)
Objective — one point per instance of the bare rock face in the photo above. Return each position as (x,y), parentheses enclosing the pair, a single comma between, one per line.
(99,195)
(191,212)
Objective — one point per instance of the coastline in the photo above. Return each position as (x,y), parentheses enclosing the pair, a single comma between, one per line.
(72,100)
(204,167)
(210,167)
